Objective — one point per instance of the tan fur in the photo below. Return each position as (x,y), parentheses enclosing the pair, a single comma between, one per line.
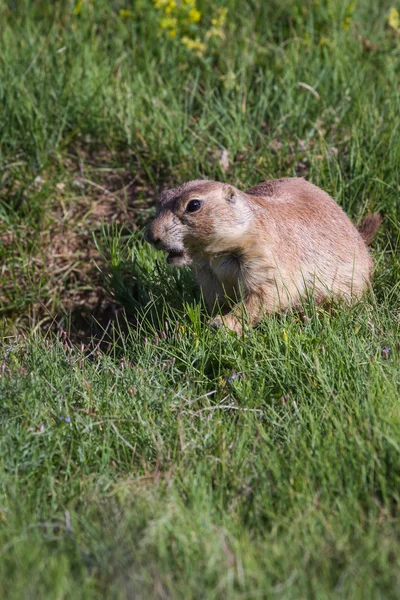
(270,247)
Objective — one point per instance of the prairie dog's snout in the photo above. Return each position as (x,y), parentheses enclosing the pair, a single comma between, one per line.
(270,246)
(153,234)
(149,235)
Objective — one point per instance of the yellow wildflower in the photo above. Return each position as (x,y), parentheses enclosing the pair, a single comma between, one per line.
(229,80)
(194,15)
(348,15)
(285,336)
(196,46)
(78,7)
(125,14)
(346,23)
(170,7)
(393,19)
(217,23)
(176,18)
(168,23)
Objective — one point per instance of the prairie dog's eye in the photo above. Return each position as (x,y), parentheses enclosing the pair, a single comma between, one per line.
(193,206)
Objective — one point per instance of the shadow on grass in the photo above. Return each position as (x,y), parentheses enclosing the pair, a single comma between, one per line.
(133,290)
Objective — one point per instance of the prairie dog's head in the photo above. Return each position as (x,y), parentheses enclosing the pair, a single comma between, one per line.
(199,218)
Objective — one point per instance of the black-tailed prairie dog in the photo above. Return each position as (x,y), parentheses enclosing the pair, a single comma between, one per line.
(265,249)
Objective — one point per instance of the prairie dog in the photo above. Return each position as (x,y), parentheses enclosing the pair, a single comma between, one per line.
(269,247)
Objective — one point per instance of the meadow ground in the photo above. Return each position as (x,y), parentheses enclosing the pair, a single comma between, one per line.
(142,455)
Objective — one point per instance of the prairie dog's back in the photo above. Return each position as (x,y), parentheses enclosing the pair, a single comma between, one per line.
(307,234)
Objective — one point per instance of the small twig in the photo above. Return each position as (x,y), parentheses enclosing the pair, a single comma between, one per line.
(127,186)
(309,88)
(99,187)
(106,422)
(188,402)
(81,166)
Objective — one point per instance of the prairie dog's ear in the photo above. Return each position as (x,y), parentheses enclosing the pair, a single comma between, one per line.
(231,194)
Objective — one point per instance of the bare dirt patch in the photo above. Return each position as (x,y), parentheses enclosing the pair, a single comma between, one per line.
(52,275)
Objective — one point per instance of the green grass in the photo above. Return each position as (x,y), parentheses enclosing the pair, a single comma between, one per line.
(141,454)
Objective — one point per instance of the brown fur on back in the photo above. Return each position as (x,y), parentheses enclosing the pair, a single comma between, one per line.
(271,246)
(265,189)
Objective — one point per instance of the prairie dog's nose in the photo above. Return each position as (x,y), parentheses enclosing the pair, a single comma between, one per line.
(150,236)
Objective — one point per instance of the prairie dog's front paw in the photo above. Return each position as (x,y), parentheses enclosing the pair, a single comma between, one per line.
(216,322)
(229,321)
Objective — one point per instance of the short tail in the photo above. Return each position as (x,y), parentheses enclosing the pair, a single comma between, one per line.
(369,226)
